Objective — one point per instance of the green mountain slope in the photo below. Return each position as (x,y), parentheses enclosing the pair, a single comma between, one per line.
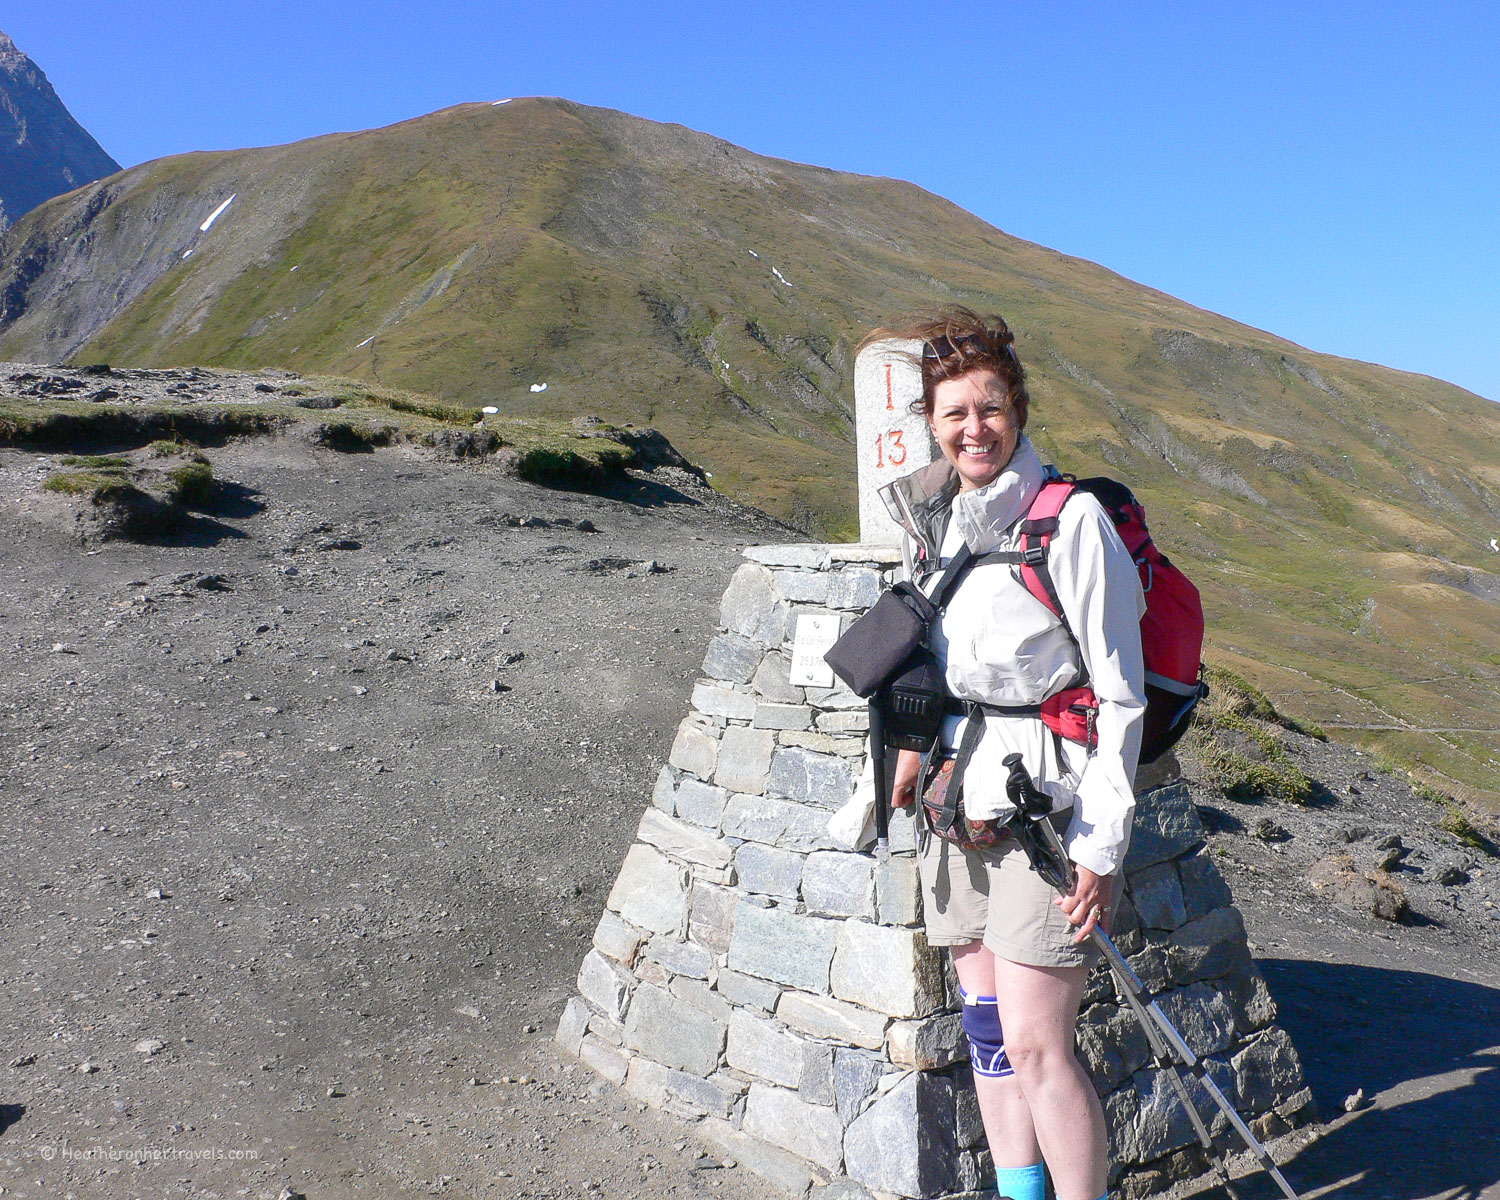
(1337,514)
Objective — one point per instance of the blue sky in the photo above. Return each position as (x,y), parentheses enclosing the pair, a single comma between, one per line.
(1326,171)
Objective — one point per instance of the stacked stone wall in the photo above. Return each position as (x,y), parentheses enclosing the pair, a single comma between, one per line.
(755,978)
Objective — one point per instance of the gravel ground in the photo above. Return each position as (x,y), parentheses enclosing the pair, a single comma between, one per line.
(311,811)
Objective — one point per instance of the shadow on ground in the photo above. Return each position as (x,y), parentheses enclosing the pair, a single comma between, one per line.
(1424,1049)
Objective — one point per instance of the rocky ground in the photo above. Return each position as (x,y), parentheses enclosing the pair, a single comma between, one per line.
(310,811)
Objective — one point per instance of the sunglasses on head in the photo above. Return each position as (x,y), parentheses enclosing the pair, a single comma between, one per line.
(966,346)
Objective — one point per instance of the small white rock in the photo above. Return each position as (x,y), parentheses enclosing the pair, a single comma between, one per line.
(150,1046)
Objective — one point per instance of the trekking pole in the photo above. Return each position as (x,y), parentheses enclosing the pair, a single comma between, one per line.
(882,778)
(1168,1048)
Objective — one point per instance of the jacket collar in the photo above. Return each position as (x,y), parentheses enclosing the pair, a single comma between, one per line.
(920,502)
(986,514)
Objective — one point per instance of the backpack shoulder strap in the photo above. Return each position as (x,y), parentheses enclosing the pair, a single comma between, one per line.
(1037,531)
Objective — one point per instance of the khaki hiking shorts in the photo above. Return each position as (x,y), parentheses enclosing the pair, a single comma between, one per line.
(995,897)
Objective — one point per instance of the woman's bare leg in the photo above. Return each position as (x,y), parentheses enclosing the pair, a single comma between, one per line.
(1007,1119)
(1038,1011)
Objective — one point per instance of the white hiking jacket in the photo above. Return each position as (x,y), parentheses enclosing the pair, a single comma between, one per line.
(1001,645)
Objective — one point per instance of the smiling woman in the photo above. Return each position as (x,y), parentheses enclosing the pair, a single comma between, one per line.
(1017,950)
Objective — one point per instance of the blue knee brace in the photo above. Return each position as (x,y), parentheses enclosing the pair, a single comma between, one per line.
(981,1018)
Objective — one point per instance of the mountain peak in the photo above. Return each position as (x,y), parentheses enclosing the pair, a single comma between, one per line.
(43,150)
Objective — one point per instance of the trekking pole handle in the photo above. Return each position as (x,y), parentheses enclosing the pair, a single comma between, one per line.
(1030,801)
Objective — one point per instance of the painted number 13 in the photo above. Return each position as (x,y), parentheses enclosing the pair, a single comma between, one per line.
(889,449)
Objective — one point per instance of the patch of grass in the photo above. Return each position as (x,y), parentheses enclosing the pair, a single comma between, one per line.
(167,447)
(99,462)
(582,461)
(352,437)
(192,485)
(1245,780)
(96,485)
(1232,696)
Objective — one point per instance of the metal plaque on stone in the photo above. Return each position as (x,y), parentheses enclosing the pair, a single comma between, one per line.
(816,633)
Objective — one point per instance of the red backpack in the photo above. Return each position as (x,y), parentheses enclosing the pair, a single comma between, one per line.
(1171,629)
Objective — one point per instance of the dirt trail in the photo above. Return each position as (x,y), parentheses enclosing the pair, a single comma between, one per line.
(310,813)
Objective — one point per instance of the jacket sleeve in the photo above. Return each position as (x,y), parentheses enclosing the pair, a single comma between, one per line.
(1100,592)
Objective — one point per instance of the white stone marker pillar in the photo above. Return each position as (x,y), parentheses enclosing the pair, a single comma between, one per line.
(891,441)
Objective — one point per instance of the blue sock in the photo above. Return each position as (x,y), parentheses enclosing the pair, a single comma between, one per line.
(1022,1183)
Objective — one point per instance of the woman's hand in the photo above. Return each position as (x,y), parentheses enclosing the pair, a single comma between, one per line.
(1087,905)
(904,786)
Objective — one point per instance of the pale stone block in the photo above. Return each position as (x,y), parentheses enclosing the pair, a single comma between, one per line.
(855,1077)
(672,1033)
(702,997)
(1267,1071)
(824,1017)
(732,658)
(763,1048)
(817,1074)
(701,803)
(650,891)
(745,759)
(759,818)
(855,587)
(714,700)
(769,872)
(605,984)
(599,1056)
(711,916)
(1203,888)
(802,587)
(679,1092)
(782,1118)
(850,720)
(748,990)
(1165,826)
(694,750)
(773,680)
(806,830)
(616,938)
(898,890)
(684,842)
(905,1142)
(753,606)
(810,778)
(573,1024)
(1203,1016)
(1156,894)
(810,556)
(782,716)
(1213,945)
(776,943)
(1111,1045)
(787,1173)
(927,1044)
(891,441)
(680,958)
(880,555)
(839,884)
(611,1031)
(889,969)
(664,794)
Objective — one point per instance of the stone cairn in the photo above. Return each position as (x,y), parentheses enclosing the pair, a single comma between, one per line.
(775,989)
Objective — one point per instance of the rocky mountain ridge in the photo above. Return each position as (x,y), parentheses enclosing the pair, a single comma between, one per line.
(43,150)
(548,259)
